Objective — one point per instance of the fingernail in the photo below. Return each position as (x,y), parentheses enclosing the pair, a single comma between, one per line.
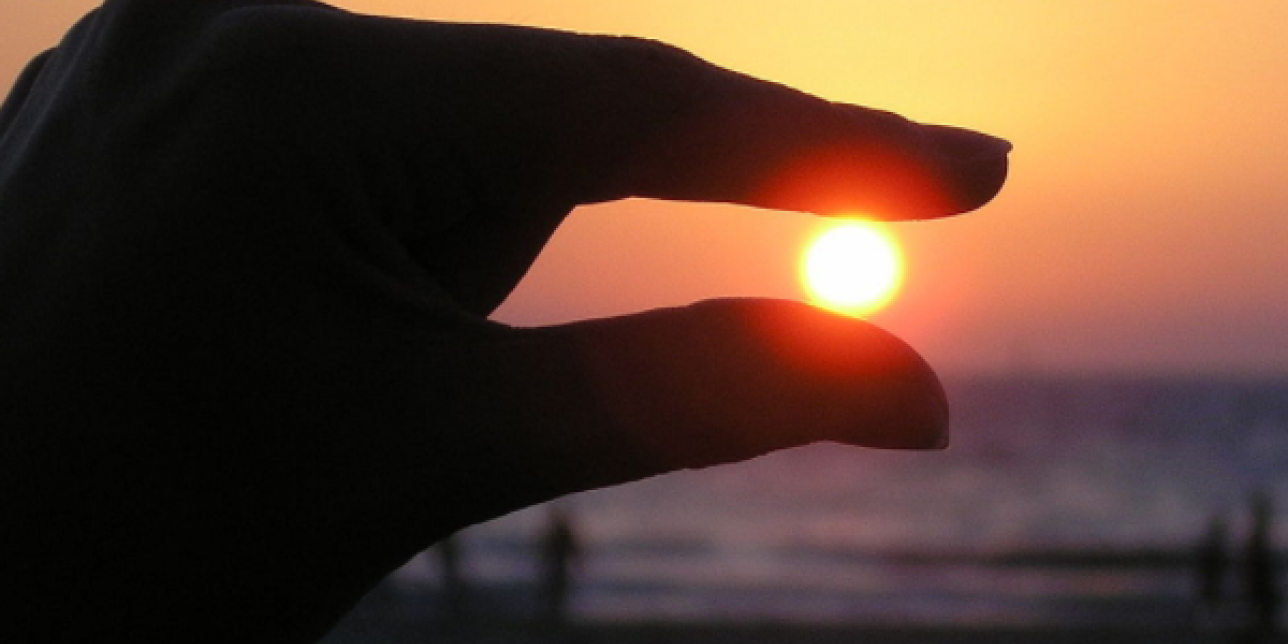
(961,143)
(936,418)
(941,433)
(922,421)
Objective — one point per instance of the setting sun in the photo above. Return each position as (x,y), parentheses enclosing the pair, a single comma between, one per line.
(854,268)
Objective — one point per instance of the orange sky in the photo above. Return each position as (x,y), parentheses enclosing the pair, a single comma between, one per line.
(1143,229)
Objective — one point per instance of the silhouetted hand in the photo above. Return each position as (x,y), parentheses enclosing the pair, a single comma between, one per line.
(247,251)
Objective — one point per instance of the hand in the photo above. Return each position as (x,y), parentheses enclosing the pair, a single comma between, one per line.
(247,251)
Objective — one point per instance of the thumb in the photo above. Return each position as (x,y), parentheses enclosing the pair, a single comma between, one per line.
(619,399)
(728,380)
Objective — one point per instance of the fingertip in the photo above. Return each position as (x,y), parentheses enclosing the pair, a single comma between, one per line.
(891,169)
(934,433)
(979,182)
(975,164)
(919,417)
(864,386)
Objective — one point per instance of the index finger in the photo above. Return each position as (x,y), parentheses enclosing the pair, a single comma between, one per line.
(848,161)
(752,142)
(578,119)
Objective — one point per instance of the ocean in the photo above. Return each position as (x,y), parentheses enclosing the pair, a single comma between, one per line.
(1062,500)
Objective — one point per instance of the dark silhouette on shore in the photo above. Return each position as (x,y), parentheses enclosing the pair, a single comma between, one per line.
(1212,566)
(454,588)
(1260,572)
(248,251)
(560,553)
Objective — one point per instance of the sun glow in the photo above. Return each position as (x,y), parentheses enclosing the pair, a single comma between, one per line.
(853,267)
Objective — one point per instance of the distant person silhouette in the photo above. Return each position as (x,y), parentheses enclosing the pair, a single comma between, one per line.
(1260,576)
(248,251)
(560,552)
(1212,564)
(448,552)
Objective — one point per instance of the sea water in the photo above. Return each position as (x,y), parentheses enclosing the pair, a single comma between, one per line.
(1061,499)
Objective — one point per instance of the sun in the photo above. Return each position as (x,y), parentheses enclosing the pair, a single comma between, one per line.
(854,267)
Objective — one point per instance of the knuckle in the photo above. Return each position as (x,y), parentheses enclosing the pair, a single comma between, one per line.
(643,56)
(261,64)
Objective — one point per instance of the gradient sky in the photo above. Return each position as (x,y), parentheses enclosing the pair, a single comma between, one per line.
(1143,229)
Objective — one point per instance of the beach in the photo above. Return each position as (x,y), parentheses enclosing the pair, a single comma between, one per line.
(765,633)
(1066,510)
(506,617)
